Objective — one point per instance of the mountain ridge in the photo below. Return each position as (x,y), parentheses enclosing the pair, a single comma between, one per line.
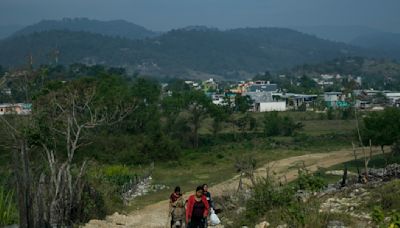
(113,28)
(235,53)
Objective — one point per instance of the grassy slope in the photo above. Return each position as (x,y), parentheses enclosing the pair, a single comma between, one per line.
(216,163)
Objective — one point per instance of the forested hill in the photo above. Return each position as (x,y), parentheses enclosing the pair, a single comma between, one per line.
(115,28)
(380,74)
(385,42)
(189,52)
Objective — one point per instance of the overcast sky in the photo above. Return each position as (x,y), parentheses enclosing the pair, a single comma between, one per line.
(163,15)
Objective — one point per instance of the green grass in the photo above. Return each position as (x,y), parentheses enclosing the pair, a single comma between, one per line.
(320,127)
(313,125)
(8,209)
(216,164)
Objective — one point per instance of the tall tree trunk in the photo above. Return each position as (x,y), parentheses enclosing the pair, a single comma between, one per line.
(196,136)
(23,181)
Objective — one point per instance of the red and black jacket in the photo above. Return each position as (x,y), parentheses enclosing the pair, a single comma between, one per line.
(190,204)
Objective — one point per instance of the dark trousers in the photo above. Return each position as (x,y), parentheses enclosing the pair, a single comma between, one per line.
(197,223)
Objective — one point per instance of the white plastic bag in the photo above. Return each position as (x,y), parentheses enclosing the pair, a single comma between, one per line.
(214,218)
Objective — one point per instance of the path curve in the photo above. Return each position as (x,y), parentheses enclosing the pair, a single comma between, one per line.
(156,215)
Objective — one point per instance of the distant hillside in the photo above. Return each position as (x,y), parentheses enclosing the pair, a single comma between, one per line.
(384,42)
(337,33)
(7,30)
(236,53)
(116,28)
(389,43)
(376,73)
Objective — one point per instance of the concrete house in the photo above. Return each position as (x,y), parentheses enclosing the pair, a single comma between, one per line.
(295,101)
(264,102)
(335,100)
(19,109)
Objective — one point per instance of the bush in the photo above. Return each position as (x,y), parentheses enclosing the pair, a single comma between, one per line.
(279,205)
(330,115)
(309,182)
(118,174)
(266,196)
(388,196)
(92,206)
(275,125)
(347,113)
(396,148)
(378,215)
(220,156)
(8,209)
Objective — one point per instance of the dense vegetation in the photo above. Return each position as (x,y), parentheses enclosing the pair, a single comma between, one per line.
(280,204)
(190,52)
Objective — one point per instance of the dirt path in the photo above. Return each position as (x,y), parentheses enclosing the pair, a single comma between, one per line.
(156,215)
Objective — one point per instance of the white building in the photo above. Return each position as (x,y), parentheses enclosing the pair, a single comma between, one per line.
(394,97)
(278,106)
(218,99)
(264,102)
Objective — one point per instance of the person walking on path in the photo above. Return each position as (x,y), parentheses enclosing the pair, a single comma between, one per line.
(177,208)
(197,209)
(207,194)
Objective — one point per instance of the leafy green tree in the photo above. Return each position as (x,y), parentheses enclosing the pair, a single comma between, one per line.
(382,128)
(198,108)
(243,103)
(308,85)
(272,124)
(275,125)
(347,113)
(264,77)
(242,123)
(171,107)
(330,113)
(246,123)
(288,126)
(380,98)
(146,118)
(219,115)
(178,85)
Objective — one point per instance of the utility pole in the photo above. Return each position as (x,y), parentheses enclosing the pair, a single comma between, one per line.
(30,61)
(56,55)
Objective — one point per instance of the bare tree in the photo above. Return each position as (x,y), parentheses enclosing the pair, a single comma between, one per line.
(15,128)
(246,167)
(70,114)
(58,126)
(367,157)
